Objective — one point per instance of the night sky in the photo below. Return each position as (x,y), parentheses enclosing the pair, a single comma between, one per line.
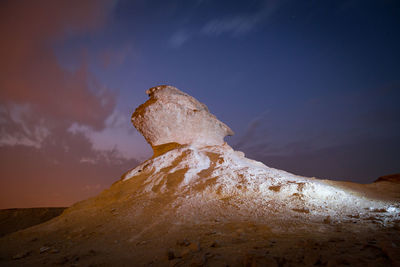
(311,87)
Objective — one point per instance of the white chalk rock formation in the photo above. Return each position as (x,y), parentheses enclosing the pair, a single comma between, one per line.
(172,118)
(209,180)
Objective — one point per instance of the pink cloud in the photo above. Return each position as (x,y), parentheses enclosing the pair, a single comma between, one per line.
(41,162)
(30,70)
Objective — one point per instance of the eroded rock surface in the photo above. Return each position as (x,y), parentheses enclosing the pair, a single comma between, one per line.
(172,117)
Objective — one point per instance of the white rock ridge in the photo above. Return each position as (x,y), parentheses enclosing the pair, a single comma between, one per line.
(171,117)
(208,179)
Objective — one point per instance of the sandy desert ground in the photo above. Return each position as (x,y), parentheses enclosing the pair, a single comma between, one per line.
(102,232)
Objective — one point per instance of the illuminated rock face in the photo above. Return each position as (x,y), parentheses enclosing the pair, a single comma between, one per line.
(173,117)
(192,161)
(218,182)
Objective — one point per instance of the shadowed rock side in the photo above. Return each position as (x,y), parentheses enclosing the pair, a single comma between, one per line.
(197,202)
(393,178)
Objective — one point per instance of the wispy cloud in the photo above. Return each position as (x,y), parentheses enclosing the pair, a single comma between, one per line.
(16,127)
(235,25)
(118,134)
(179,38)
(241,24)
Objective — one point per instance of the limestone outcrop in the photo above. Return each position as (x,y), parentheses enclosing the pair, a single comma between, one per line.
(171,118)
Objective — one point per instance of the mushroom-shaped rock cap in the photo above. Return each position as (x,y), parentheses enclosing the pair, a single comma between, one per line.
(172,117)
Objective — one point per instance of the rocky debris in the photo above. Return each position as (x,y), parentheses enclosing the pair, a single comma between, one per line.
(170,255)
(171,117)
(194,247)
(184,249)
(54,251)
(22,255)
(44,249)
(198,260)
(215,244)
(252,260)
(327,220)
(183,242)
(140,243)
(61,260)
